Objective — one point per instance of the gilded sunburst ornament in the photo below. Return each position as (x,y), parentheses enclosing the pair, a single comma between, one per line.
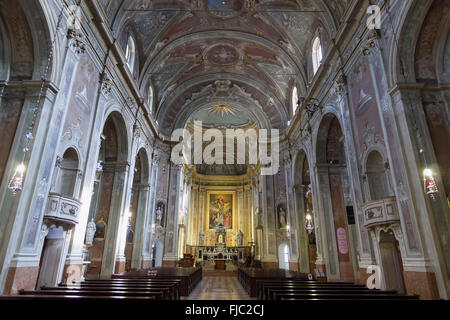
(222,109)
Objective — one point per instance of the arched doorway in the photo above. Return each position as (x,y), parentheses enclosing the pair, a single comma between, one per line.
(108,198)
(283,256)
(334,188)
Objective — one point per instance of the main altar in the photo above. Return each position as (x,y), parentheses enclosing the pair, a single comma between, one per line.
(220,254)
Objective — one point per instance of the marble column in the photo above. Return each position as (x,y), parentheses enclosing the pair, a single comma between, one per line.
(171,240)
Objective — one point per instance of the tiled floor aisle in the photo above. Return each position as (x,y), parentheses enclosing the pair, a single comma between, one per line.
(219,286)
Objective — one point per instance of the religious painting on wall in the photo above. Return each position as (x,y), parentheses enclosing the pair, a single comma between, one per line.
(220,211)
(100,230)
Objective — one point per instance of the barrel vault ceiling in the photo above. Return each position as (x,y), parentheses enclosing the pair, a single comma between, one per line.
(246,55)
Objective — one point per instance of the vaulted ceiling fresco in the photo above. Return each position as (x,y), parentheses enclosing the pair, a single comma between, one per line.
(248,54)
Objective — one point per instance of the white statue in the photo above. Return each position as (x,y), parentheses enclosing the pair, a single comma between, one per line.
(158,216)
(201,238)
(282,217)
(240,237)
(90,232)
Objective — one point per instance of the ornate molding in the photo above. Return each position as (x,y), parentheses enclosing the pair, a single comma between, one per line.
(370,44)
(76,41)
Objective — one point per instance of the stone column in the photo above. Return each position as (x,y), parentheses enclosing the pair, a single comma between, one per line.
(325,221)
(142,217)
(149,226)
(171,240)
(113,252)
(269,254)
(303,259)
(353,171)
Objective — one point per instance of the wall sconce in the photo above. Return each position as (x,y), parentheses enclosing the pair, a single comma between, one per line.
(309,222)
(16,182)
(429,184)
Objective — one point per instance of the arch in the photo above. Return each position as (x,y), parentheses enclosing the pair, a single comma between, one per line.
(376,176)
(335,196)
(330,147)
(283,256)
(66,184)
(118,134)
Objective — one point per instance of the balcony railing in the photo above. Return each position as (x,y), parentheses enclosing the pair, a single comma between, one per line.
(63,209)
(380,212)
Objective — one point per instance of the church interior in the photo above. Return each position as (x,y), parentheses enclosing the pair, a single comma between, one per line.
(354,93)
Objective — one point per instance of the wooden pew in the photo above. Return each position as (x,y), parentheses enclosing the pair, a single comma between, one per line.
(73,297)
(189,277)
(265,292)
(340,296)
(168,294)
(248,277)
(157,295)
(172,286)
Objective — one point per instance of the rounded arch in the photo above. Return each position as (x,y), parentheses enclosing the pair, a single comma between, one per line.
(283,256)
(118,136)
(330,146)
(25,33)
(144,165)
(376,176)
(403,47)
(67,177)
(300,161)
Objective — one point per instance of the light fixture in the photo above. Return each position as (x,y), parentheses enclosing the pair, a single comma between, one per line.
(429,184)
(309,222)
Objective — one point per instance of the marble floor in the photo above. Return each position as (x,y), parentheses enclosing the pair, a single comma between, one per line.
(219,285)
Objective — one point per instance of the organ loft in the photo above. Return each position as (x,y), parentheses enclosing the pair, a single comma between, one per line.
(196,147)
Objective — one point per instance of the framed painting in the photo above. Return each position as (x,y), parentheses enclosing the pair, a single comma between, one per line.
(100,230)
(220,211)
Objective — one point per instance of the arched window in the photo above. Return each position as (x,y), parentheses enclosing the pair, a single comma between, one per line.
(130,53)
(150,98)
(294,100)
(317,54)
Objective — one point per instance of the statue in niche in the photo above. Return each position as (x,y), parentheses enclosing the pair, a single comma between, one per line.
(159,215)
(282,217)
(240,237)
(90,232)
(201,238)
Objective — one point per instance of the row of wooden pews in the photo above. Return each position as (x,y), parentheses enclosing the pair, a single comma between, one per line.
(152,289)
(148,284)
(297,287)
(189,277)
